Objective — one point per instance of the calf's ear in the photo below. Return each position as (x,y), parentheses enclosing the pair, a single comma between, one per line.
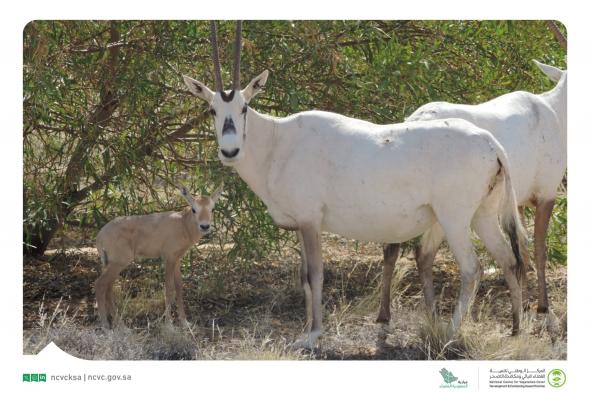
(217,193)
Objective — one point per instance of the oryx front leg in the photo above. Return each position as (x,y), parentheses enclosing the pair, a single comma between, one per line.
(390,254)
(315,278)
(179,295)
(303,276)
(169,288)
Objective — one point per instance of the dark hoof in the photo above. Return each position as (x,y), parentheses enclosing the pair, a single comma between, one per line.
(383,318)
(515,332)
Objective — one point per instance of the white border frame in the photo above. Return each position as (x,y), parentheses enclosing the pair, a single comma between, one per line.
(245,376)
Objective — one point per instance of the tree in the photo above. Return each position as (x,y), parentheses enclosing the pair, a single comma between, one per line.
(109,126)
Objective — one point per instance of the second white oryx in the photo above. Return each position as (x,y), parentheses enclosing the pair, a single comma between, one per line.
(319,171)
(533,130)
(167,235)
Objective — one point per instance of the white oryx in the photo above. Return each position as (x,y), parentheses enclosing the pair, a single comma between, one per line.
(532,130)
(319,171)
(166,235)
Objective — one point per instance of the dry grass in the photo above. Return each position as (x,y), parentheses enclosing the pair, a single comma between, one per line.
(256,314)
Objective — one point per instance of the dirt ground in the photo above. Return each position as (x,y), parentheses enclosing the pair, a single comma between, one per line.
(256,312)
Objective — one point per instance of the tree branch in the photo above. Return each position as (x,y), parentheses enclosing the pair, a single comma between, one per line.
(557,33)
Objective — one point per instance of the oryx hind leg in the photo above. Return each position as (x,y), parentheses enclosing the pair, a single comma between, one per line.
(425,254)
(110,303)
(458,234)
(487,227)
(542,216)
(103,290)
(527,263)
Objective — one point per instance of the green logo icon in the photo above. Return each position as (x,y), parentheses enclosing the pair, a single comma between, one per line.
(448,376)
(451,381)
(34,377)
(556,378)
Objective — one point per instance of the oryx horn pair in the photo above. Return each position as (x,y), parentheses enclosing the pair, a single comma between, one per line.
(217,64)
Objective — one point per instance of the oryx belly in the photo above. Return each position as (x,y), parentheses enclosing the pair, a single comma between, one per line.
(386,222)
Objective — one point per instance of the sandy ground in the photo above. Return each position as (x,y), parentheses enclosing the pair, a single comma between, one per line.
(255,312)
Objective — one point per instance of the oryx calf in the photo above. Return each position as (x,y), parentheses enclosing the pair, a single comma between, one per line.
(166,235)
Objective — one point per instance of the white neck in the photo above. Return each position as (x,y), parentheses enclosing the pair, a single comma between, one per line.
(557,99)
(259,146)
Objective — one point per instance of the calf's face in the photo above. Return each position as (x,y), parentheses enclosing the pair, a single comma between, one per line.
(202,209)
(203,213)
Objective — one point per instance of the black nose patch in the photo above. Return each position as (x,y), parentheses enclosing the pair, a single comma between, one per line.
(205,227)
(231,153)
(228,126)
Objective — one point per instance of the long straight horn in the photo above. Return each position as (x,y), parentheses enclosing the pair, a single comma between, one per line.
(216,63)
(237,48)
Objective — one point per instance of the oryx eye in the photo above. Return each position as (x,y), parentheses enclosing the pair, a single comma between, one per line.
(193,209)
(244,109)
(212,111)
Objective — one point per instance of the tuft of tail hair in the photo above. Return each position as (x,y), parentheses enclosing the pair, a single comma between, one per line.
(510,220)
(511,227)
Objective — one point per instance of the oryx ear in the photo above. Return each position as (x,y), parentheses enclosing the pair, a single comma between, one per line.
(553,73)
(198,89)
(255,86)
(217,193)
(186,195)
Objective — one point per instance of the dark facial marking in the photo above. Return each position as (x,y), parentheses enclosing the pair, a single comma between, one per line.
(245,112)
(227,97)
(212,111)
(228,126)
(193,209)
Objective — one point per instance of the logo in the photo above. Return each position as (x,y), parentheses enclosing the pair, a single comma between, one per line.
(34,377)
(451,381)
(556,378)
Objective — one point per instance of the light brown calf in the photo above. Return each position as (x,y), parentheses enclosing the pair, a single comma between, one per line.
(166,235)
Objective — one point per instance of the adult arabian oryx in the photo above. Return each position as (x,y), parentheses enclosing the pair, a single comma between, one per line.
(319,171)
(532,129)
(167,235)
